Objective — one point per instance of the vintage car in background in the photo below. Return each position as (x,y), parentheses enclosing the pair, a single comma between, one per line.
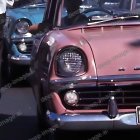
(19,41)
(86,67)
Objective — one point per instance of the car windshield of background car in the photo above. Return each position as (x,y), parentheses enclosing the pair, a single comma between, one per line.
(86,11)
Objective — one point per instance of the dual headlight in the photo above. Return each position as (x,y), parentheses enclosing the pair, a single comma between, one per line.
(71,61)
(22,26)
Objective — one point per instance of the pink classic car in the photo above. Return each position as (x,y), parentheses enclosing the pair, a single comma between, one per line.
(85,65)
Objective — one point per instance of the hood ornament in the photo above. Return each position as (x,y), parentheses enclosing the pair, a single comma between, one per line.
(137,68)
(121,69)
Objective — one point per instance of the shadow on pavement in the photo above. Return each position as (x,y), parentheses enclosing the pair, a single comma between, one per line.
(20,128)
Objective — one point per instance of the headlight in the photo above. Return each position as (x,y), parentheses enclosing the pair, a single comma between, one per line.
(71,97)
(71,62)
(22,26)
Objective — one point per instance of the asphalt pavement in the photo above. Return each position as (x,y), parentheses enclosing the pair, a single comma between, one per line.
(18,119)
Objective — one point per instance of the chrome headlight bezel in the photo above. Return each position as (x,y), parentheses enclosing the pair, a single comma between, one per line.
(21,25)
(70,61)
(71,98)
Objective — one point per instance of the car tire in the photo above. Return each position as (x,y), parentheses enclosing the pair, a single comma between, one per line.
(43,125)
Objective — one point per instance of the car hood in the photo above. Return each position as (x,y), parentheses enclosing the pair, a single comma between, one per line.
(34,13)
(116,49)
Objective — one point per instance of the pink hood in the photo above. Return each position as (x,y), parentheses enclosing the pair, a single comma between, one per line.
(116,49)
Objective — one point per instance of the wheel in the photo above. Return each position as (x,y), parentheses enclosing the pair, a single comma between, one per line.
(41,118)
(45,128)
(46,131)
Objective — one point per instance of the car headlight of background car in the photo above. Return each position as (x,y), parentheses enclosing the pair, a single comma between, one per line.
(71,61)
(22,25)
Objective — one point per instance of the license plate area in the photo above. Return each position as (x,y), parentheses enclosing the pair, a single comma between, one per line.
(138,115)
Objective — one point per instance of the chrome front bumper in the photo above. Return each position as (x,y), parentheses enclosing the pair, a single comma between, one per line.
(20,60)
(93,121)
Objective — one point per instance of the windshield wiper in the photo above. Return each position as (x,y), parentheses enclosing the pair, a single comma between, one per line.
(115,18)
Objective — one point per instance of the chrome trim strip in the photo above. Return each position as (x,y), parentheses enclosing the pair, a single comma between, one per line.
(74,80)
(25,39)
(119,78)
(71,83)
(111,78)
(137,68)
(20,60)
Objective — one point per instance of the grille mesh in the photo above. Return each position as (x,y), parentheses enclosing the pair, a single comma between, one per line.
(29,47)
(126,98)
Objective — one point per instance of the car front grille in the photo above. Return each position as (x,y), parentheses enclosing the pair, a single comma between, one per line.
(29,45)
(125,97)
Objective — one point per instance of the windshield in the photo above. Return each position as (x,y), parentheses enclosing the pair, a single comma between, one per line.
(86,11)
(20,3)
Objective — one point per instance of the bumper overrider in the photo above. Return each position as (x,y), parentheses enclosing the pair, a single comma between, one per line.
(114,115)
